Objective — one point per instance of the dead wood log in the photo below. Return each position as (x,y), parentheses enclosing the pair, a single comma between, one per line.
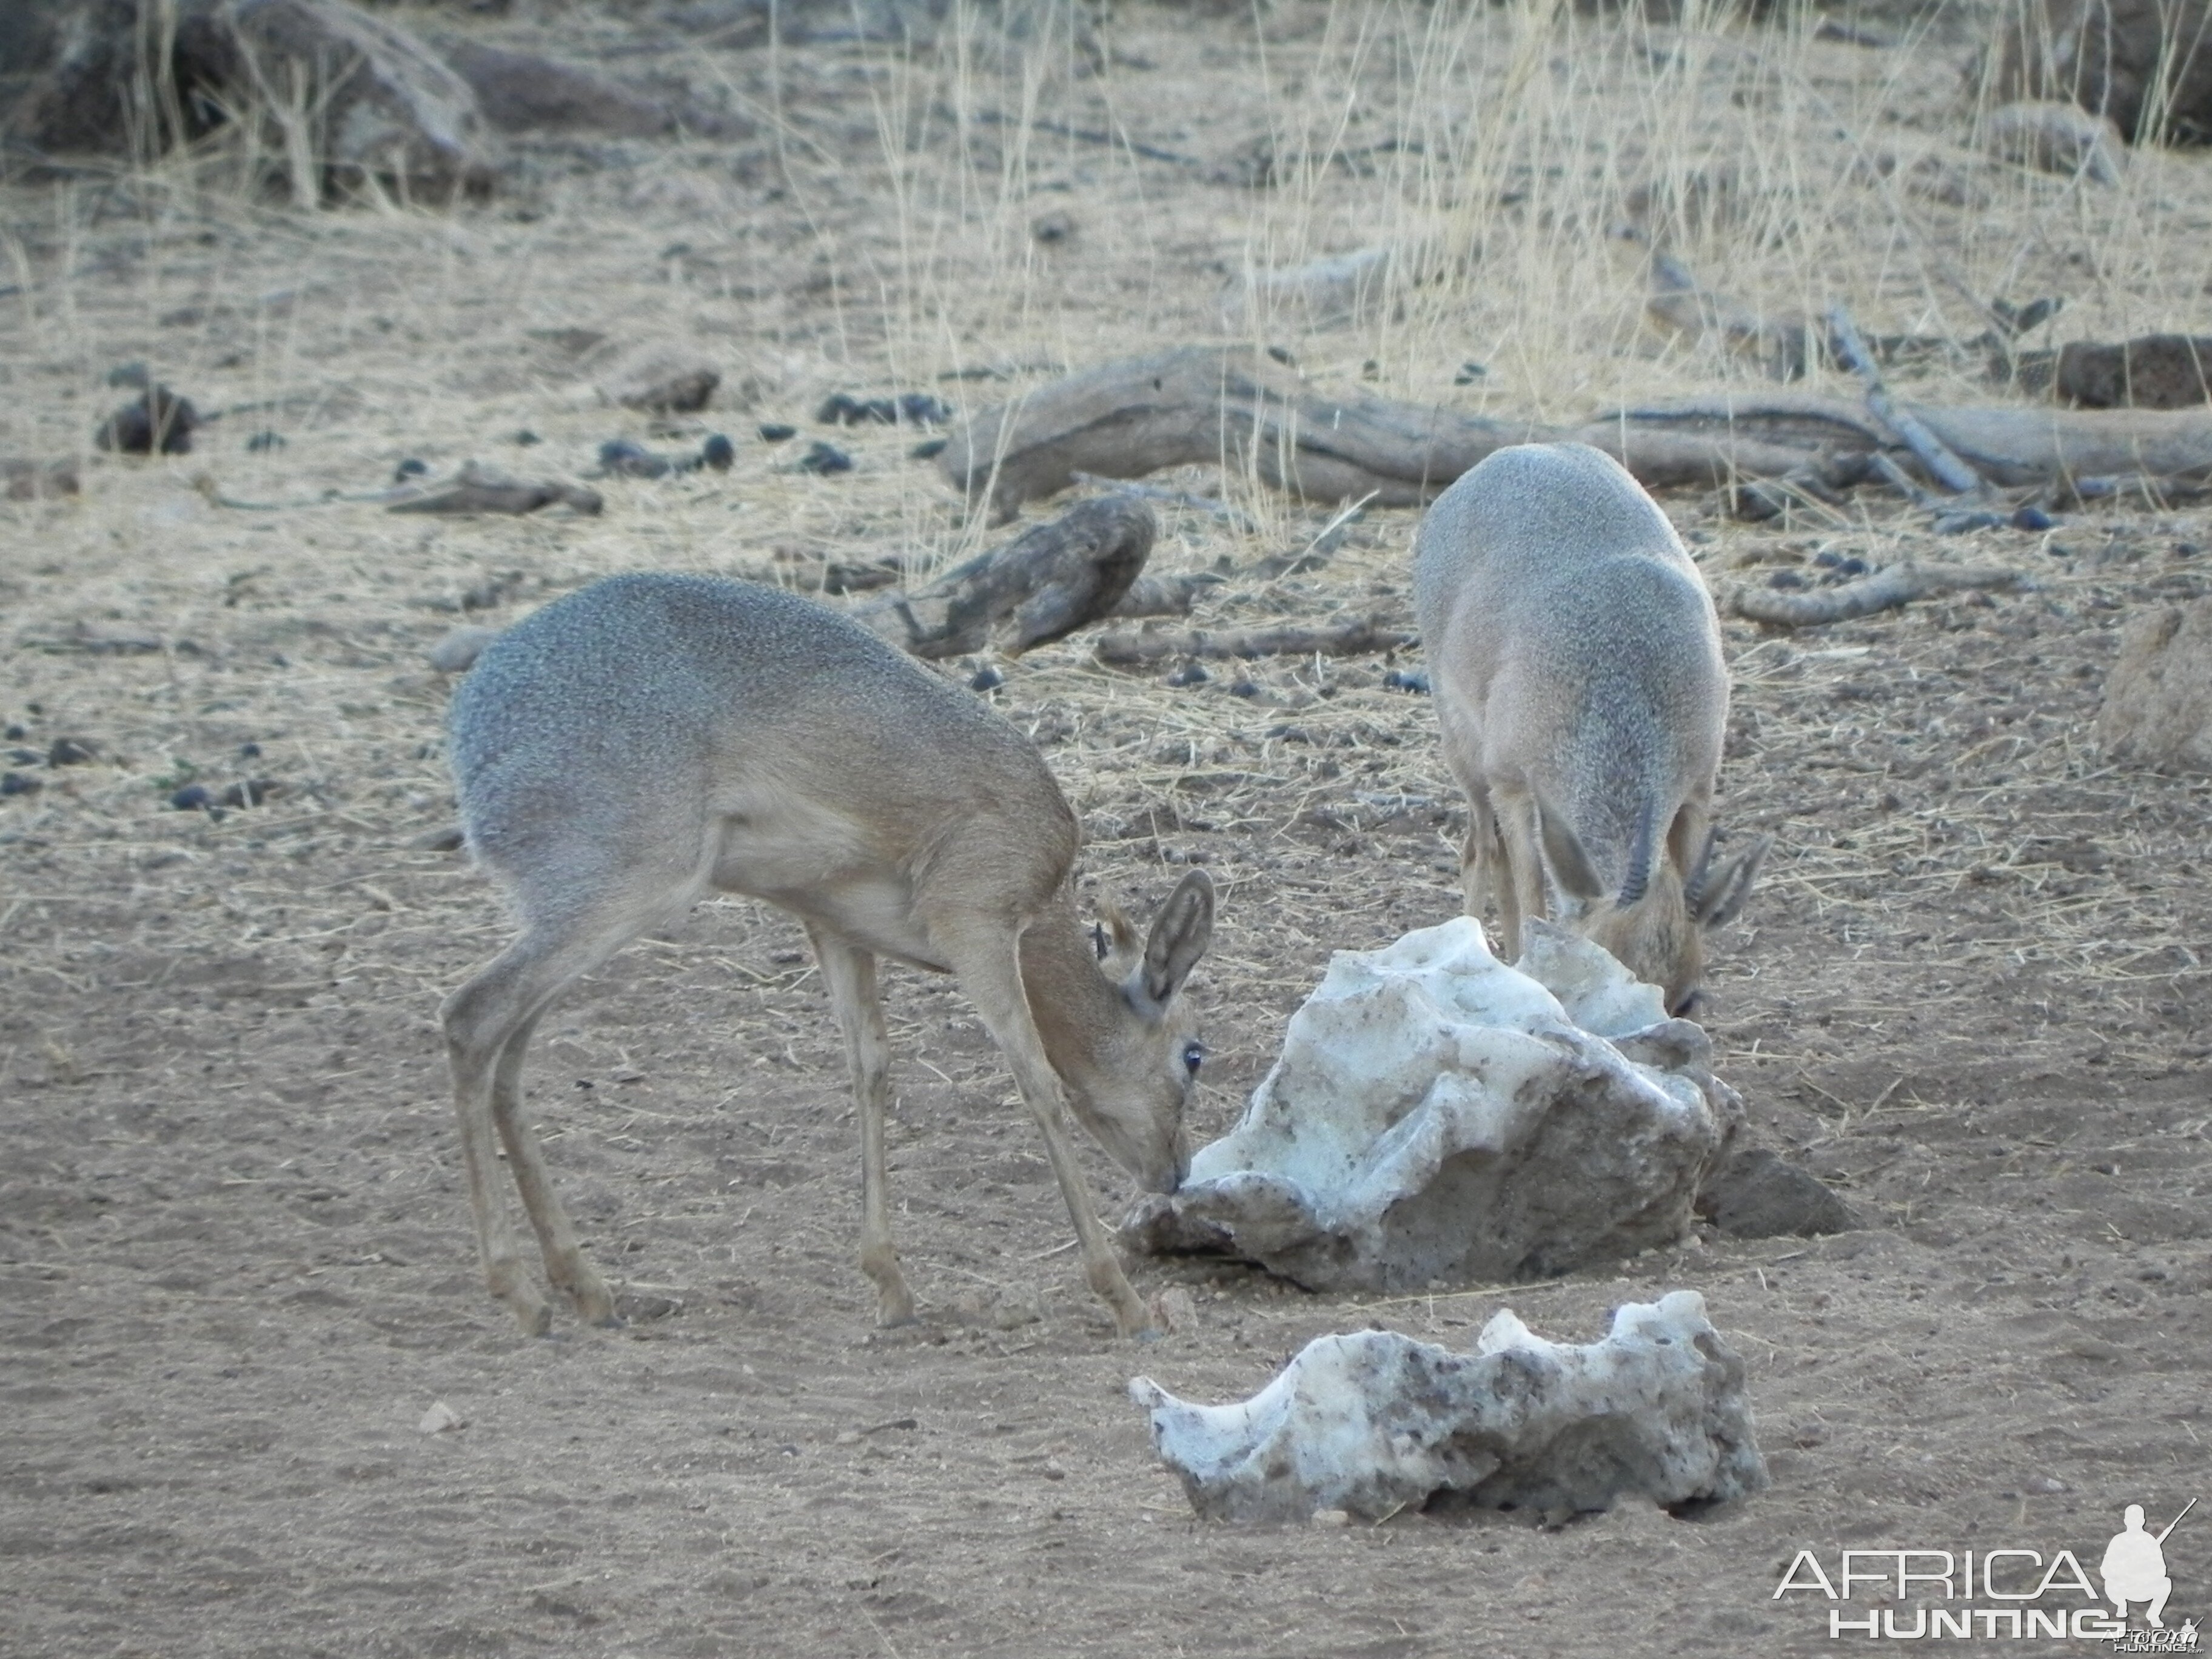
(1050,580)
(478,489)
(1897,583)
(1783,349)
(1141,647)
(1233,405)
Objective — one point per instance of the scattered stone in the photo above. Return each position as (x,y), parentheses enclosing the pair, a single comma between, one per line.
(440,1418)
(192,797)
(928,449)
(457,653)
(718,452)
(912,407)
(2044,1485)
(663,376)
(1374,1422)
(621,459)
(823,457)
(1175,1309)
(1754,1193)
(525,438)
(1340,289)
(2158,698)
(252,792)
(986,679)
(2055,138)
(410,468)
(2140,61)
(1052,228)
(1330,1518)
(68,751)
(1438,1117)
(2033,518)
(156,421)
(775,432)
(642,1307)
(17,783)
(2156,371)
(37,480)
(1191,673)
(1407,679)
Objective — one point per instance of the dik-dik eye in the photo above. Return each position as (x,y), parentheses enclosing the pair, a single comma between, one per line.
(1194,1056)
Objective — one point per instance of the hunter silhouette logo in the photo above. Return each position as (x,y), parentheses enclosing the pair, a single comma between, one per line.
(1913,1595)
(2133,1568)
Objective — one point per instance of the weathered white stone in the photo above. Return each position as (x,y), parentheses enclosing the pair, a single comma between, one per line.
(1437,1115)
(1374,1421)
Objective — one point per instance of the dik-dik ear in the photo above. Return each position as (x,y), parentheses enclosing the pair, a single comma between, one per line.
(1563,851)
(1180,934)
(1716,895)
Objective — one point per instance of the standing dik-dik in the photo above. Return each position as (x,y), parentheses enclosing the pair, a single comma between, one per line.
(649,738)
(1576,662)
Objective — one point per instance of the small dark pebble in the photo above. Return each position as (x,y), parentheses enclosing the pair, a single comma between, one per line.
(1827,558)
(2181,550)
(26,756)
(986,678)
(928,449)
(1959,522)
(249,751)
(68,751)
(1244,688)
(525,438)
(824,458)
(14,733)
(913,408)
(158,419)
(409,468)
(251,793)
(1788,581)
(622,459)
(2033,518)
(192,797)
(775,432)
(15,783)
(1401,679)
(261,442)
(1469,372)
(718,452)
(1190,673)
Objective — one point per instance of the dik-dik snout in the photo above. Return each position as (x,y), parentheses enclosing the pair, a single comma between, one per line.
(1576,660)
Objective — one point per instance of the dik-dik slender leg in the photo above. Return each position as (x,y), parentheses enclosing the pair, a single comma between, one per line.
(1478,854)
(565,1266)
(849,974)
(488,1023)
(985,957)
(1521,894)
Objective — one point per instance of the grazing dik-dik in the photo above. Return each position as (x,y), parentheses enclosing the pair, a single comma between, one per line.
(650,738)
(1576,662)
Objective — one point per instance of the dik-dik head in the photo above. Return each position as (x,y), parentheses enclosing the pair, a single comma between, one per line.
(1655,925)
(1130,1068)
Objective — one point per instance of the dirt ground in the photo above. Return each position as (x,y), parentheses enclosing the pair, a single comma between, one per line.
(1969,991)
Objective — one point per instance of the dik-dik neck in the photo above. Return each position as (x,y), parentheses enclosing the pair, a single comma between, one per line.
(1076,1007)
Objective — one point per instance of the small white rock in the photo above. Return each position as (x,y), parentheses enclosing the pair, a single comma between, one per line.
(440,1418)
(457,653)
(1332,1517)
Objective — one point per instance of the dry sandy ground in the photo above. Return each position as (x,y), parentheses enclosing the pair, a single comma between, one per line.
(232,1238)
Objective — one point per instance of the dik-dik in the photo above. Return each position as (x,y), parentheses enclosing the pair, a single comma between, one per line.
(1575,658)
(650,738)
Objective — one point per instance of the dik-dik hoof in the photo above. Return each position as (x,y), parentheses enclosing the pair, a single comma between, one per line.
(894,1309)
(535,1317)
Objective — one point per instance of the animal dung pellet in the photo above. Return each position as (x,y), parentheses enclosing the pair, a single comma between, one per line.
(718,452)
(909,408)
(457,652)
(68,751)
(776,432)
(663,376)
(824,458)
(1436,1116)
(192,797)
(157,420)
(1370,1423)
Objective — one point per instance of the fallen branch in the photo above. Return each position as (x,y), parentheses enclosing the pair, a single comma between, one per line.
(1784,349)
(1235,407)
(1049,581)
(1946,468)
(1897,583)
(475,489)
(1146,646)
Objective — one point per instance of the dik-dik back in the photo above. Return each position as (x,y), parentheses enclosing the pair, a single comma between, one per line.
(1575,661)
